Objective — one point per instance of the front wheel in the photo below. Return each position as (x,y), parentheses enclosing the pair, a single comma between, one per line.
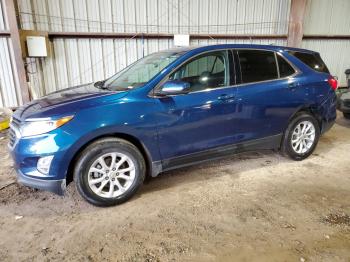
(109,172)
(301,137)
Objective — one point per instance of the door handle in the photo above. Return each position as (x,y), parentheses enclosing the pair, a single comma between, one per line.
(225,97)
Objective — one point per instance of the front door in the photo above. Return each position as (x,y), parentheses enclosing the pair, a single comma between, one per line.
(205,117)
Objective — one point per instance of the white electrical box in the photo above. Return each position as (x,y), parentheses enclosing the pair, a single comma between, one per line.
(181,40)
(36,46)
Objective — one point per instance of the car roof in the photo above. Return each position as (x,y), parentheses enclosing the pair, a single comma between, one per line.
(198,49)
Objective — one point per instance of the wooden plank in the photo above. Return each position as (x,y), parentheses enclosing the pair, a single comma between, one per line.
(157,35)
(333,37)
(192,36)
(5,33)
(16,53)
(296,20)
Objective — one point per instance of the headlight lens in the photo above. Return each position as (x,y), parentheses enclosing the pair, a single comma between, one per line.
(38,126)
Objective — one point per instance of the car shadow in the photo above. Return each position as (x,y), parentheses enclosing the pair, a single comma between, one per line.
(231,166)
(342,121)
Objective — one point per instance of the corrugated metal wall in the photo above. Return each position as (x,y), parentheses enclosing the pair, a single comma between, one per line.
(9,97)
(163,16)
(76,61)
(329,17)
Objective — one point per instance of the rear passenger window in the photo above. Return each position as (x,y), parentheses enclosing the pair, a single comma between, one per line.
(313,60)
(284,67)
(257,65)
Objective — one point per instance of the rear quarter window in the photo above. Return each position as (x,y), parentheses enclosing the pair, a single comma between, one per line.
(285,69)
(313,60)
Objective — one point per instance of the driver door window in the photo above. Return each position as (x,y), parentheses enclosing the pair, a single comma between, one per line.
(206,71)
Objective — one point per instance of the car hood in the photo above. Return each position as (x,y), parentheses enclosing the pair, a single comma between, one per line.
(66,101)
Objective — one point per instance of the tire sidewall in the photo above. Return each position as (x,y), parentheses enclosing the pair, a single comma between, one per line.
(90,154)
(287,143)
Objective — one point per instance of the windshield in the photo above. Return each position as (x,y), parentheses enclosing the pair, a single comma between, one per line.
(140,72)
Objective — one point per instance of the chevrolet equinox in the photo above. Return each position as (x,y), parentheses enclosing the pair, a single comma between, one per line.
(172,109)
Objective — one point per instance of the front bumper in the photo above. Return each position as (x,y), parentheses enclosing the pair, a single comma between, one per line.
(54,186)
(28,150)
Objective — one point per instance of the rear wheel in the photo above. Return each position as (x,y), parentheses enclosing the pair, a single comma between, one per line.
(301,137)
(109,172)
(346,115)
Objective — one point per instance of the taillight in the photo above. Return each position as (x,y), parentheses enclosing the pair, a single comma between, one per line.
(333,82)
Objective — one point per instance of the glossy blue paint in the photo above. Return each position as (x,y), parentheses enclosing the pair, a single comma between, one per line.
(172,126)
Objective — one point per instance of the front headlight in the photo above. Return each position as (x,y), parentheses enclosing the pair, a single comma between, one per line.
(39,126)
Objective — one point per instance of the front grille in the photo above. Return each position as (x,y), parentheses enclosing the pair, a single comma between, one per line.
(14,131)
(12,138)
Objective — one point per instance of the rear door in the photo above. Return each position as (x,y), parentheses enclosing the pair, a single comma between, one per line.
(268,93)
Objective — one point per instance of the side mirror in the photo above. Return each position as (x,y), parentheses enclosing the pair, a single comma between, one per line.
(173,87)
(100,84)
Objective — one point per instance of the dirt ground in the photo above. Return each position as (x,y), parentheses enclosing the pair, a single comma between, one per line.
(250,207)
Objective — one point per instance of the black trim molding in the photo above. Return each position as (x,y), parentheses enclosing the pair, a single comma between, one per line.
(271,142)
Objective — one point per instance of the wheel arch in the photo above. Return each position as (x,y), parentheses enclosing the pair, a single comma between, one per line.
(310,110)
(304,109)
(286,145)
(127,137)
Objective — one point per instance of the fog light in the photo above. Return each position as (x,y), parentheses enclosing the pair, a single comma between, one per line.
(43,164)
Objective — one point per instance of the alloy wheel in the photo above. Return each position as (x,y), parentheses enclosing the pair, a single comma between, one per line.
(303,137)
(111,175)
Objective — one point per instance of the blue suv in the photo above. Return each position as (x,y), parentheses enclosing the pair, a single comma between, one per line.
(172,109)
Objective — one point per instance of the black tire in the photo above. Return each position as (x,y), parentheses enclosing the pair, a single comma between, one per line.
(287,148)
(98,148)
(346,115)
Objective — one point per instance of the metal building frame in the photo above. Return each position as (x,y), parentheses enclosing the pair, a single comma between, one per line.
(294,36)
